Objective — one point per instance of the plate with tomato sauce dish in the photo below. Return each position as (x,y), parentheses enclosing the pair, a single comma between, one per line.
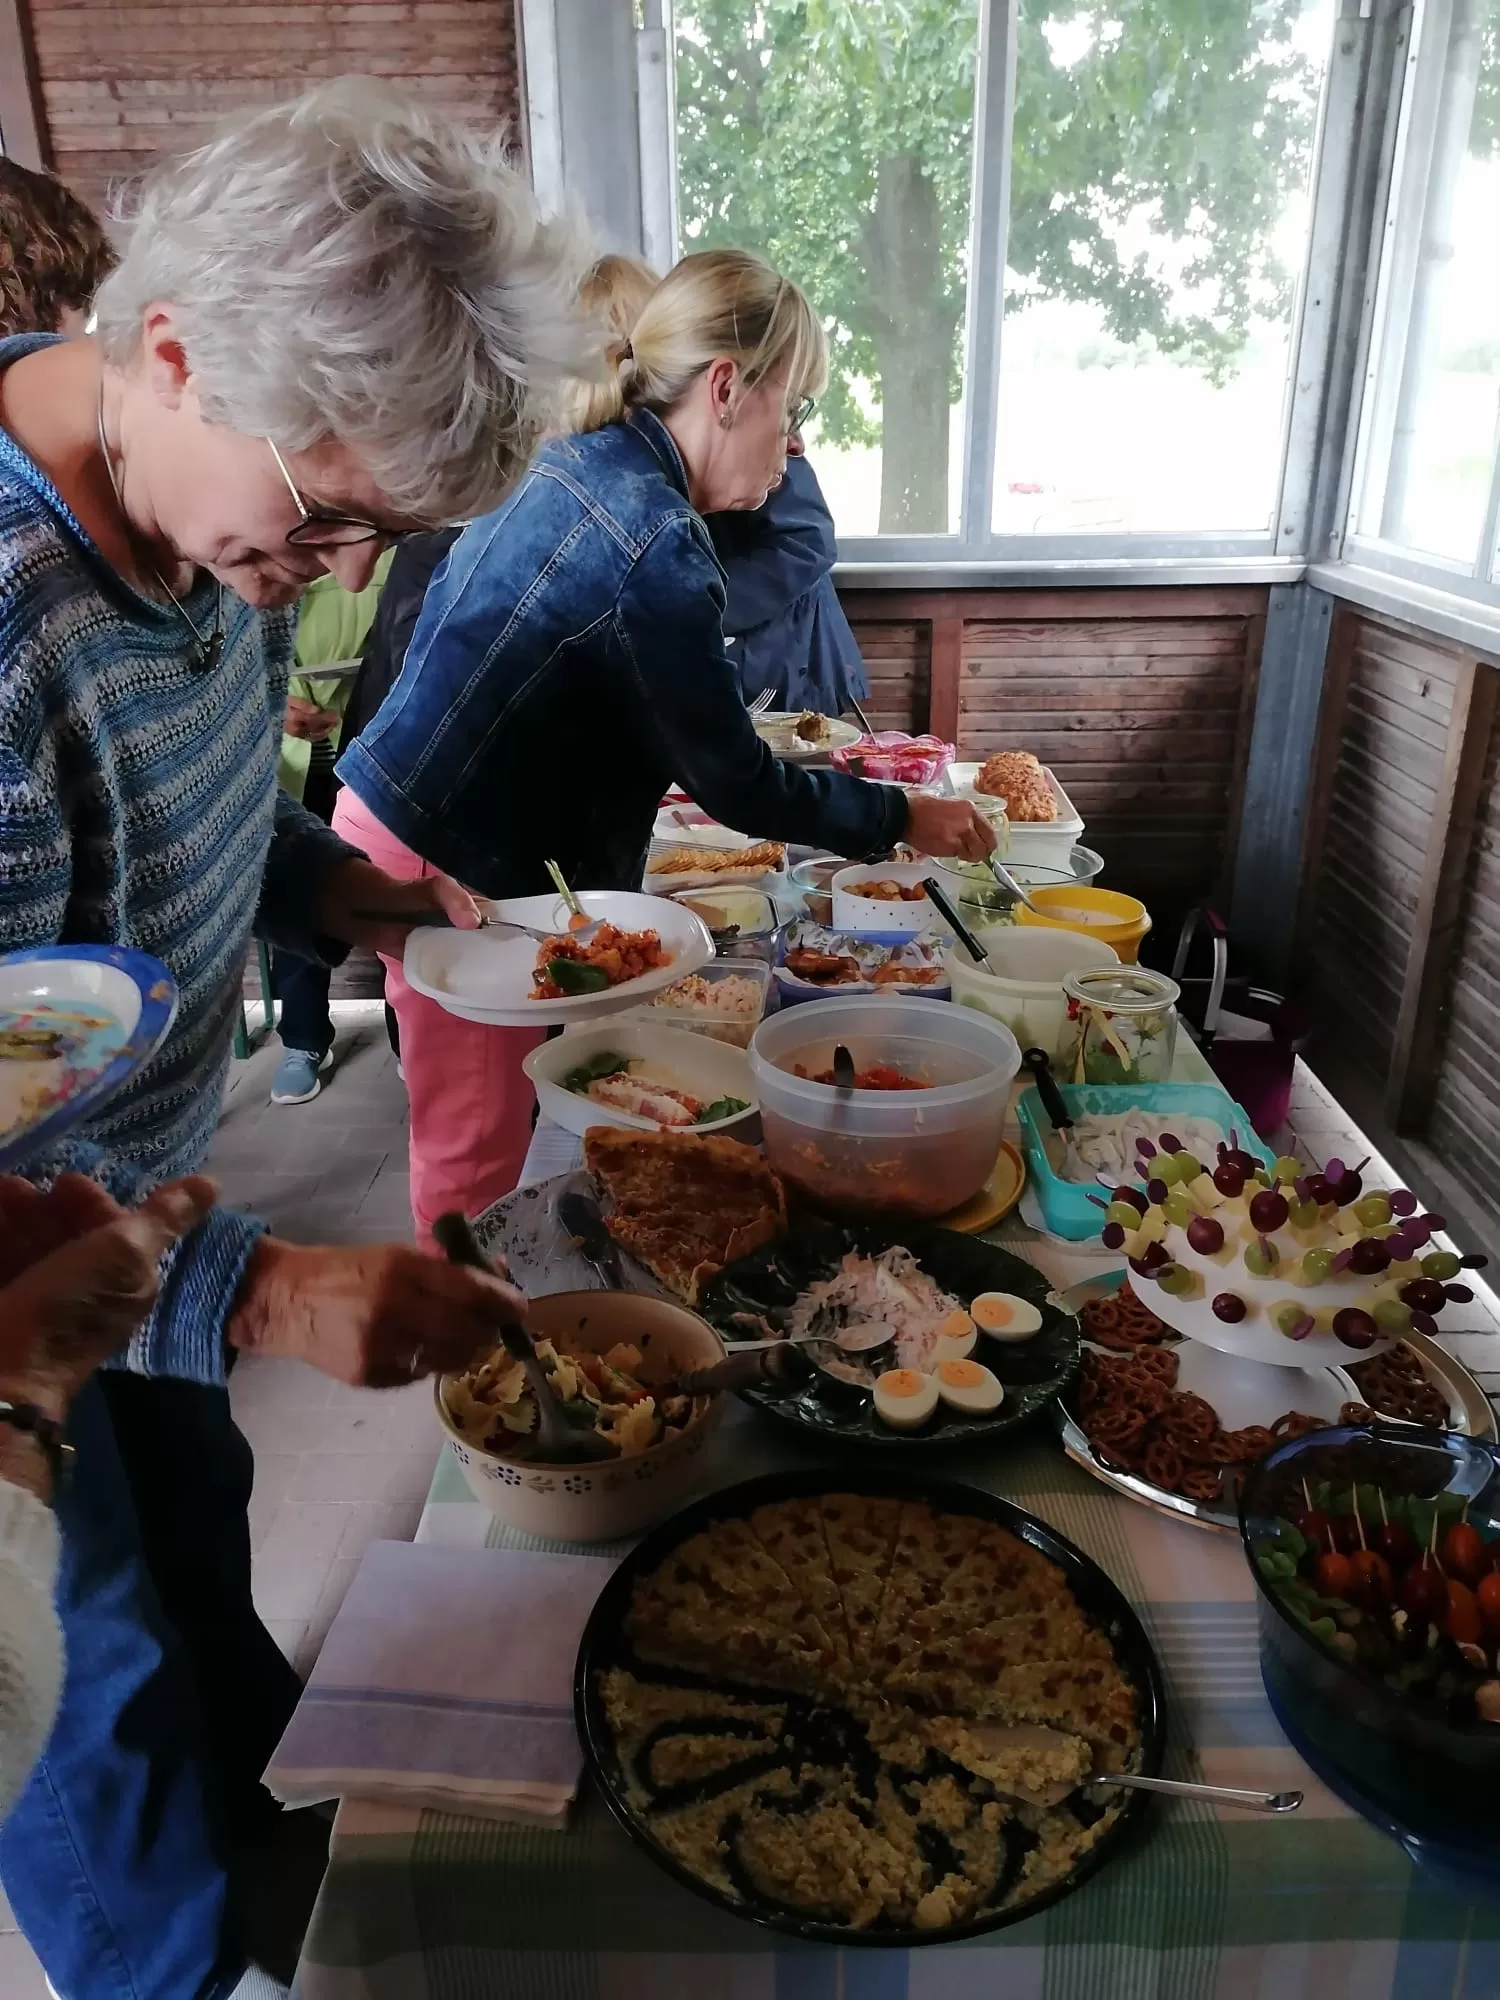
(509,979)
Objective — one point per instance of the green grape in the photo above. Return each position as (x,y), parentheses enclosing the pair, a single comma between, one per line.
(1173,1279)
(1286,1314)
(1124,1214)
(1392,1316)
(1371,1210)
(1188,1167)
(1316,1265)
(1440,1264)
(1304,1214)
(1260,1259)
(1164,1168)
(1177,1208)
(1286,1169)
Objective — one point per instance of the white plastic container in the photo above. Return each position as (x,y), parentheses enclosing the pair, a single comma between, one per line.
(694,1063)
(1027,992)
(876,913)
(1049,842)
(909,1155)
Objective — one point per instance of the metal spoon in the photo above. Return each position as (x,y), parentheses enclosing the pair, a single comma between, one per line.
(1218,1795)
(843,1068)
(562,1441)
(1013,888)
(781,1362)
(426,920)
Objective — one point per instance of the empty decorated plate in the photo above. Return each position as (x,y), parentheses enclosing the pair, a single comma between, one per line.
(77,1021)
(924,1340)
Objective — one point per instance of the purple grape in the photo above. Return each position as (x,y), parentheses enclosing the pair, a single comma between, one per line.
(1205,1235)
(1229,1307)
(1303,1188)
(1423,1295)
(1403,1202)
(1246,1162)
(1229,1180)
(1424,1323)
(1097,1199)
(1170,1143)
(1268,1210)
(1301,1328)
(1459,1294)
(1154,1255)
(1369,1256)
(1347,1189)
(1146,1148)
(1342,1259)
(1112,1235)
(1132,1197)
(1475,1262)
(1157,1190)
(1399,1247)
(1334,1169)
(1417,1229)
(1355,1328)
(1436,1223)
(1320,1189)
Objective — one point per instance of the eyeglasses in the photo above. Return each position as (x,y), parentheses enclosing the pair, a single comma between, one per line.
(800,414)
(321,527)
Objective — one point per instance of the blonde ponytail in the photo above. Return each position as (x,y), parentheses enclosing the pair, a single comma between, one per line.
(713,302)
(613,293)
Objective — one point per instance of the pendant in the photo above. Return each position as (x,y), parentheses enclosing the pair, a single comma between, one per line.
(212,653)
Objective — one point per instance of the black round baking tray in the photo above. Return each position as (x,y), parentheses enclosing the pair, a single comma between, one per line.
(1032,1372)
(604,1645)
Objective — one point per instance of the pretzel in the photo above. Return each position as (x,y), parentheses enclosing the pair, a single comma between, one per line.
(1201,1483)
(1162,1465)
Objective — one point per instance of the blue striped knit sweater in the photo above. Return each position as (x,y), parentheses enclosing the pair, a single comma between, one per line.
(138,806)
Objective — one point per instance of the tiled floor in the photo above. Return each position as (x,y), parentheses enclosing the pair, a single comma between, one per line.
(335,1467)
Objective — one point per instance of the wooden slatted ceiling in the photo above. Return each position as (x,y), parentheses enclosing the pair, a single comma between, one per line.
(898,661)
(1464,1127)
(1391,738)
(1141,720)
(124,80)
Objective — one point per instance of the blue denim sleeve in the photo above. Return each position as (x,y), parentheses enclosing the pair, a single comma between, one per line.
(184,1334)
(669,619)
(302,851)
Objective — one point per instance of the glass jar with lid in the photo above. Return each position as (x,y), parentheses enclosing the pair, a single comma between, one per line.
(1122,1025)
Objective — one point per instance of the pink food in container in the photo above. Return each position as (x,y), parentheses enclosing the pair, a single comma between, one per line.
(895,758)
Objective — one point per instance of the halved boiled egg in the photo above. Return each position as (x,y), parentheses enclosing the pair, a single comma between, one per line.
(904,1399)
(954,1336)
(966,1385)
(1005,1317)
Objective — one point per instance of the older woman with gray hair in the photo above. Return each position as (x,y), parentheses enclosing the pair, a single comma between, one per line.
(336,322)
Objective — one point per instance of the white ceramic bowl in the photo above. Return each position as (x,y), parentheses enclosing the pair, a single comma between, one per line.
(873,913)
(1026,992)
(605,1502)
(695,1063)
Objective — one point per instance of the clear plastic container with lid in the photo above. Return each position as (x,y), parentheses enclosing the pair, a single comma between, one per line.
(1122,1025)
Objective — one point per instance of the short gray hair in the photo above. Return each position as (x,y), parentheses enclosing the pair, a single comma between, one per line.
(350,266)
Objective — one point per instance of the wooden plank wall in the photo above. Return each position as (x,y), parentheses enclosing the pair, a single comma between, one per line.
(1140,700)
(1400,917)
(123,80)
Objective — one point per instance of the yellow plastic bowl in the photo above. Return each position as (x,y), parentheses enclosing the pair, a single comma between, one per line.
(1121,921)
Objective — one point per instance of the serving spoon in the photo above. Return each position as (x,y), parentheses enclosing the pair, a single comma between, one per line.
(562,1441)
(1038,1736)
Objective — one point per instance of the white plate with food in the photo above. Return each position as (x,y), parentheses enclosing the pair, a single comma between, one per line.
(687,864)
(643,1078)
(800,733)
(510,980)
(77,1022)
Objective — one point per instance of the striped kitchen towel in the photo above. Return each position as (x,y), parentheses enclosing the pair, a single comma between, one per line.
(446,1680)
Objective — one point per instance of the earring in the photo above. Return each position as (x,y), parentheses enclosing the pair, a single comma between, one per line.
(725,420)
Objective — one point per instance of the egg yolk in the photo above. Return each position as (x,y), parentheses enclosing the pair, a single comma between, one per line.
(955,1325)
(994,1312)
(961,1374)
(901,1382)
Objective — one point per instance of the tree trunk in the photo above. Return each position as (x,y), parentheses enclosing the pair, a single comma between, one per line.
(911,320)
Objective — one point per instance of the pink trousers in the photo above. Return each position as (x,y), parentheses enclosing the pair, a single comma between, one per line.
(470,1103)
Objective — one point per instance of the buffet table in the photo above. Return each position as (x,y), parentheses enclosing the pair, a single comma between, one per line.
(419,1905)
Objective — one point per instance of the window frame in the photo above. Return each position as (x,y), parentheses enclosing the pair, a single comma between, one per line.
(1417,110)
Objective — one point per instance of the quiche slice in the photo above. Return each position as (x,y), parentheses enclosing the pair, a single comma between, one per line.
(860,1532)
(684,1205)
(791,1533)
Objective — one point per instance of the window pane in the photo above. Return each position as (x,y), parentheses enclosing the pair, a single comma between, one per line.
(1433,419)
(1158,226)
(836,137)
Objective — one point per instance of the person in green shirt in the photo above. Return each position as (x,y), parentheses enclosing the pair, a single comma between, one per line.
(332,626)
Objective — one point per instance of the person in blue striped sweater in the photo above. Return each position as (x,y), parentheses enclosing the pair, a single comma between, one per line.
(334,323)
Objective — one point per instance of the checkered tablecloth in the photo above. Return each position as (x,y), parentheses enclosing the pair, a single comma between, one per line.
(419,1905)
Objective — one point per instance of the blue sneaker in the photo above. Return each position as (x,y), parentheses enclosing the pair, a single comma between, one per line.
(298,1080)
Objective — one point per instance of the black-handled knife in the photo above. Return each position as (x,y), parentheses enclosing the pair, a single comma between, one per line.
(938,897)
(1054,1103)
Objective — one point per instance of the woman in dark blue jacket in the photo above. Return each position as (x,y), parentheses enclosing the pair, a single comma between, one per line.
(569,667)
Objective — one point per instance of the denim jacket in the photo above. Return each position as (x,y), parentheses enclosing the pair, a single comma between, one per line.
(568,668)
